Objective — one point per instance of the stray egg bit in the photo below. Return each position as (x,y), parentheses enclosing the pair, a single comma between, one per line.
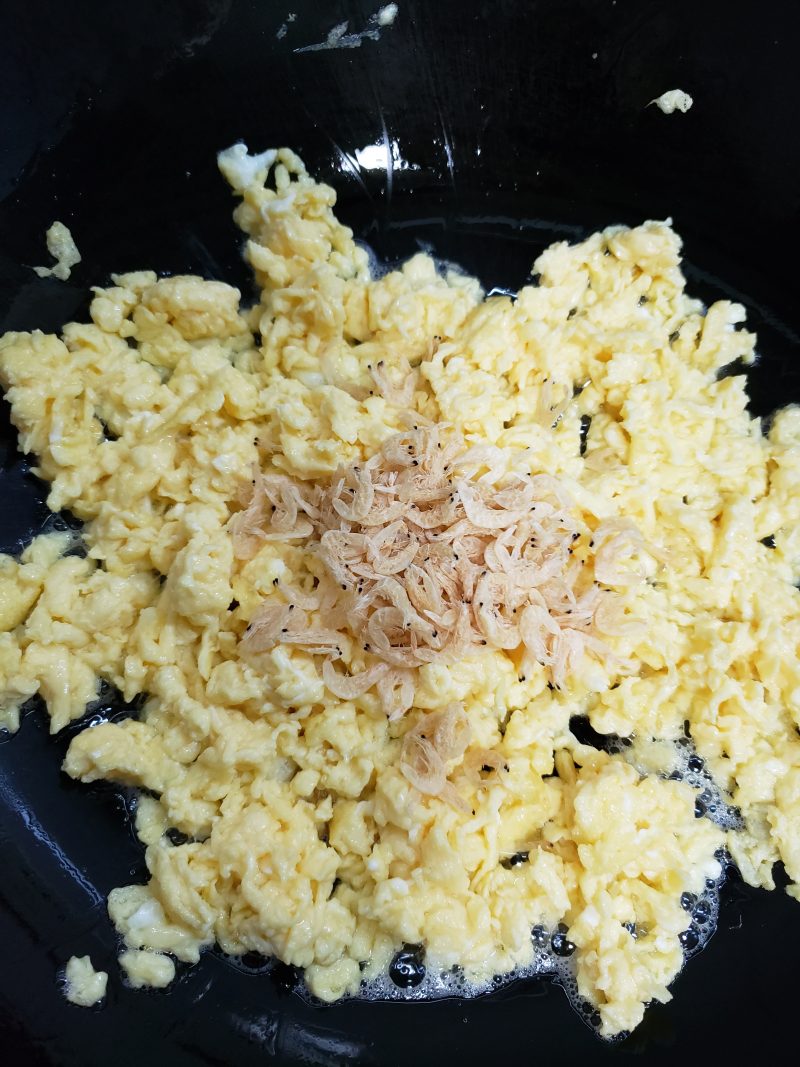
(61,246)
(673,100)
(83,985)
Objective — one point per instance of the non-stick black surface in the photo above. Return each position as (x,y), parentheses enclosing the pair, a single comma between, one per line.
(500,126)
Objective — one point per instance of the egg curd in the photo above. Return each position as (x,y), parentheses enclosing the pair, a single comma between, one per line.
(446,802)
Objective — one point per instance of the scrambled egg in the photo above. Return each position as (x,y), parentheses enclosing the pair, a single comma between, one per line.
(303,838)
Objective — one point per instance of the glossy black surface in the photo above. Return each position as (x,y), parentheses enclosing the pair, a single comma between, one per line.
(495,128)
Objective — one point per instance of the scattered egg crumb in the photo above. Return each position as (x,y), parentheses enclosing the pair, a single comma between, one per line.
(673,100)
(387,15)
(62,248)
(151,970)
(338,37)
(84,985)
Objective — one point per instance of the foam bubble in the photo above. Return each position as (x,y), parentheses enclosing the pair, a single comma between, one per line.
(379,267)
(702,911)
(687,766)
